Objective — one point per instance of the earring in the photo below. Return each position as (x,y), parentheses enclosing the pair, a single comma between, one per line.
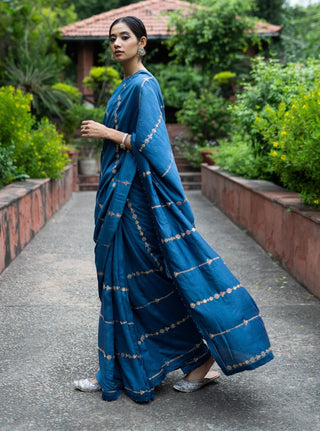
(141,52)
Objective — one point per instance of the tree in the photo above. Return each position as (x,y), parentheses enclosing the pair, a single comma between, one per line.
(270,10)
(86,9)
(31,58)
(215,36)
(32,26)
(300,37)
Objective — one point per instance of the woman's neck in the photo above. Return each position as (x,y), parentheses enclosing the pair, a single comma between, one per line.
(131,69)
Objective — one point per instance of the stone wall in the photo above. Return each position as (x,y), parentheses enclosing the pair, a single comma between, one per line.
(276,218)
(25,207)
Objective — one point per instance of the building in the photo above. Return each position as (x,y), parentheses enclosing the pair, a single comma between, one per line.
(84,38)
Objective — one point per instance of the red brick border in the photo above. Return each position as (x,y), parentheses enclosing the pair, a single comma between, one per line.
(276,218)
(25,207)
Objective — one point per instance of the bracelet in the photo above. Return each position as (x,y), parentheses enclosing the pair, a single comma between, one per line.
(123,145)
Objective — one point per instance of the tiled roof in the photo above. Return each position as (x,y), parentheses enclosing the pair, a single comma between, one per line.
(153,13)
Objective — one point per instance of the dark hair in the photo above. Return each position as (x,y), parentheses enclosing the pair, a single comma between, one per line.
(135,24)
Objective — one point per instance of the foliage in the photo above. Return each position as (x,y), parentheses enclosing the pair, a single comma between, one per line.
(223,78)
(32,149)
(214,36)
(207,117)
(86,9)
(36,75)
(88,148)
(78,113)
(300,36)
(73,92)
(270,84)
(185,145)
(176,82)
(32,27)
(45,156)
(294,131)
(8,169)
(15,118)
(270,10)
(103,81)
(237,157)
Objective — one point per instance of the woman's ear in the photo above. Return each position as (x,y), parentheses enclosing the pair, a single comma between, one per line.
(143,42)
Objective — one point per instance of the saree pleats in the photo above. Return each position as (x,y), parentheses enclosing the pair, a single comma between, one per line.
(167,299)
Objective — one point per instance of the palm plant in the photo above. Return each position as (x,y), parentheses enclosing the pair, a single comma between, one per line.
(36,74)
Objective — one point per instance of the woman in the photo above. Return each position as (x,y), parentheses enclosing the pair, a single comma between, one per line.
(167,299)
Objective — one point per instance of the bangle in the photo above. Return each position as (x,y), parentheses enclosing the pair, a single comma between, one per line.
(123,145)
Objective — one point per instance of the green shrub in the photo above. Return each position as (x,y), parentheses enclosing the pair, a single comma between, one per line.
(186,146)
(176,82)
(15,117)
(206,117)
(103,81)
(76,114)
(27,149)
(237,157)
(271,83)
(45,156)
(72,91)
(36,74)
(8,169)
(295,137)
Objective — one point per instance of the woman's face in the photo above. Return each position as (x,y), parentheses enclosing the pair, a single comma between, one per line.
(124,43)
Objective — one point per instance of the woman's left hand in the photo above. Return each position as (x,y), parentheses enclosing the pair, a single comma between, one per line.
(94,130)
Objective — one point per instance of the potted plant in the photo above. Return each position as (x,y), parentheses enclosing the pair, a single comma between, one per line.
(88,152)
(208,153)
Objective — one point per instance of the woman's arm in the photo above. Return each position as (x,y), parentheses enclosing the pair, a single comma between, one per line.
(94,130)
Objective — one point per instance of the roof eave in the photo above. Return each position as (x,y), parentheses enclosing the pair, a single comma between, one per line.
(266,34)
(99,38)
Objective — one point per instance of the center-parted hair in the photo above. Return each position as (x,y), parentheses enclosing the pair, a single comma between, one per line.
(135,24)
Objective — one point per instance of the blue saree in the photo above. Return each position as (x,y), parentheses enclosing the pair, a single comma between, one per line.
(167,299)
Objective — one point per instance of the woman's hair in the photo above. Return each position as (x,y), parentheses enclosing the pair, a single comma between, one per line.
(135,24)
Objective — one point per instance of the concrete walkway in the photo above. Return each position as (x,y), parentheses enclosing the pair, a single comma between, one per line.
(48,336)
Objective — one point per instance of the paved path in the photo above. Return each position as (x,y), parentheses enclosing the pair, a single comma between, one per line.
(49,314)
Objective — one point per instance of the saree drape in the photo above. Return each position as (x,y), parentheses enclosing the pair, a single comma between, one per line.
(168,300)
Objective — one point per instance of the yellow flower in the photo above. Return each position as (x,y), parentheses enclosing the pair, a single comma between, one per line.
(283,132)
(304,106)
(283,157)
(316,201)
(275,144)
(273,153)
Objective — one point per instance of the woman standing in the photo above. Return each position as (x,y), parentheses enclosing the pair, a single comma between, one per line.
(167,299)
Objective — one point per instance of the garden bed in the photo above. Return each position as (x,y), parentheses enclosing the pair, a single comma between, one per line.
(275,217)
(25,207)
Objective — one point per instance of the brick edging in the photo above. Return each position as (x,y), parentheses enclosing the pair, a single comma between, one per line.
(275,217)
(25,207)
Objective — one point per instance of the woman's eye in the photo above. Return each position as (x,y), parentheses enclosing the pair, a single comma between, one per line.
(112,39)
(125,37)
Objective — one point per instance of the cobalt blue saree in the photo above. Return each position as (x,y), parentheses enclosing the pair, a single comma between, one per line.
(167,299)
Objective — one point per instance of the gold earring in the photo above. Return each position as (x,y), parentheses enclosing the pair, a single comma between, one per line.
(141,52)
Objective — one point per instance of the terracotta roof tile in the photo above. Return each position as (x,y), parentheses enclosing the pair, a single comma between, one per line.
(153,13)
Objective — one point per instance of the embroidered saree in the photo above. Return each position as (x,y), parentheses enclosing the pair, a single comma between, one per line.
(167,299)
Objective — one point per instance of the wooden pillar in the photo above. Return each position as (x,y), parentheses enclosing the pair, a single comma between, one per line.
(85,62)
